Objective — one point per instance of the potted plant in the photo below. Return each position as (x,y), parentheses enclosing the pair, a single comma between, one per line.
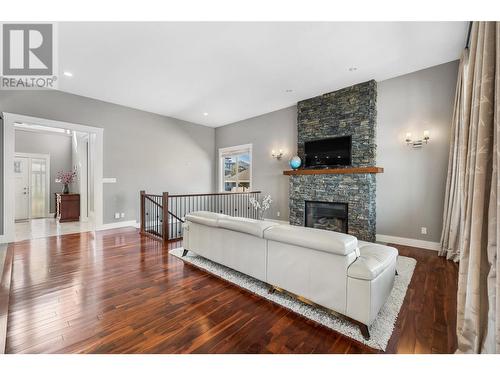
(66,178)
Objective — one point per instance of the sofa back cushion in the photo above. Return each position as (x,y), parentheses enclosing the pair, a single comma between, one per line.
(245,225)
(311,238)
(205,217)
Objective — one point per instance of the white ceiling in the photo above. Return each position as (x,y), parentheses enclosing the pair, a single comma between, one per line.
(234,71)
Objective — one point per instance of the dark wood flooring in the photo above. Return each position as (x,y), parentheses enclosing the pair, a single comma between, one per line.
(120,292)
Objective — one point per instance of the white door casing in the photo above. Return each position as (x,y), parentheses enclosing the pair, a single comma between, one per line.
(21,175)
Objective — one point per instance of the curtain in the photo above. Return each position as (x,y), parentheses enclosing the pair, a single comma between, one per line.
(471,231)
(452,229)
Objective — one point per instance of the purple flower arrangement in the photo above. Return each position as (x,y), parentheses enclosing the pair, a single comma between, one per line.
(66,177)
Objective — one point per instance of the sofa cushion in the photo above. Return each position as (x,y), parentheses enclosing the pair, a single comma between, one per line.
(245,225)
(204,217)
(373,259)
(311,238)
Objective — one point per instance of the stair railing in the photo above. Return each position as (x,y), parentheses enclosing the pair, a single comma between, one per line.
(162,215)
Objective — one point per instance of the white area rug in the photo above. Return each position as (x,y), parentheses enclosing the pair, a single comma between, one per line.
(380,330)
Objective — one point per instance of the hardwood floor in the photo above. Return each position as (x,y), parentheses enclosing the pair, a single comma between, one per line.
(120,292)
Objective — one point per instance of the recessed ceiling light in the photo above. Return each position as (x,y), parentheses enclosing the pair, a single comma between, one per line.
(68,74)
(353,68)
(205,113)
(288,90)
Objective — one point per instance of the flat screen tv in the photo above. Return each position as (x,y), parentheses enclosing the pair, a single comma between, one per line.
(328,152)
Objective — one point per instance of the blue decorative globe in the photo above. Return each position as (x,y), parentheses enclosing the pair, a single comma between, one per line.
(295,162)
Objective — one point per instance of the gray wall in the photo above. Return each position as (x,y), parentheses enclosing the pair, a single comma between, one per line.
(142,150)
(410,192)
(274,130)
(59,148)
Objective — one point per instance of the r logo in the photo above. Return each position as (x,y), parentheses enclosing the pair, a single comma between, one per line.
(27,49)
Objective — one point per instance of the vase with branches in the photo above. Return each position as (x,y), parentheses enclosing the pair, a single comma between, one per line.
(66,178)
(261,207)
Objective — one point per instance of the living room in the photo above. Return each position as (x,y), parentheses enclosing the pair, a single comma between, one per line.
(294,186)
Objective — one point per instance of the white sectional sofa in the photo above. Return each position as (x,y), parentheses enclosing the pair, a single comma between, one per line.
(335,270)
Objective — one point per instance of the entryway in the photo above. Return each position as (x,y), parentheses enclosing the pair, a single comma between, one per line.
(41,208)
(41,156)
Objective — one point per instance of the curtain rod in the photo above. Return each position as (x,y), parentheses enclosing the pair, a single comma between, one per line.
(468,35)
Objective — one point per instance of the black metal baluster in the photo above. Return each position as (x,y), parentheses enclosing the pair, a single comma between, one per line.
(146,209)
(153,207)
(254,211)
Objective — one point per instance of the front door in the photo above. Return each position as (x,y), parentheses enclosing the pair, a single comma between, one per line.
(22,176)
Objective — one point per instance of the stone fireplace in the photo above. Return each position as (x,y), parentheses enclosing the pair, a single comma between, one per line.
(350,111)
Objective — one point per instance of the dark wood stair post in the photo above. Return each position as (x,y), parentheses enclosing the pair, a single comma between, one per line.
(165,216)
(143,213)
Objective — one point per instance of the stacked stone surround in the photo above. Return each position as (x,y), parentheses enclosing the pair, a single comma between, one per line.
(349,111)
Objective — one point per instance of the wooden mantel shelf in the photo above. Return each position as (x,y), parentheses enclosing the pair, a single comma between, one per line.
(358,170)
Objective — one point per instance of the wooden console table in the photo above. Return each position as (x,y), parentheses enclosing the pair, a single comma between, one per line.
(67,207)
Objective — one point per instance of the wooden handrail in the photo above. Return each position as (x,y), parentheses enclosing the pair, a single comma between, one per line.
(161,206)
(208,194)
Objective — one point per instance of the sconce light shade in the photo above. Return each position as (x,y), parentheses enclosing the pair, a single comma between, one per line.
(418,142)
(427,136)
(278,155)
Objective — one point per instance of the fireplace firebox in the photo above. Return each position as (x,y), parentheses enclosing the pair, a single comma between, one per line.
(326,215)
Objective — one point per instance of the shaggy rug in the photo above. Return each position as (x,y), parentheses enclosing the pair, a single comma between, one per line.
(380,330)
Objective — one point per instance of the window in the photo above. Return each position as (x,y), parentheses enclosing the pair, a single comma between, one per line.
(235,168)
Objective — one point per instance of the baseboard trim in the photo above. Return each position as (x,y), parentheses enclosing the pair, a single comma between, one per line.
(429,245)
(118,224)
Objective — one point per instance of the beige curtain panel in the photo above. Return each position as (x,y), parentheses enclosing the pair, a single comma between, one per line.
(471,226)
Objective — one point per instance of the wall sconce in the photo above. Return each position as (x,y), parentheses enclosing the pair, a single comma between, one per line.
(278,155)
(419,142)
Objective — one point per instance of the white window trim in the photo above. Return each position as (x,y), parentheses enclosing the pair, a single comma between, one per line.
(230,150)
